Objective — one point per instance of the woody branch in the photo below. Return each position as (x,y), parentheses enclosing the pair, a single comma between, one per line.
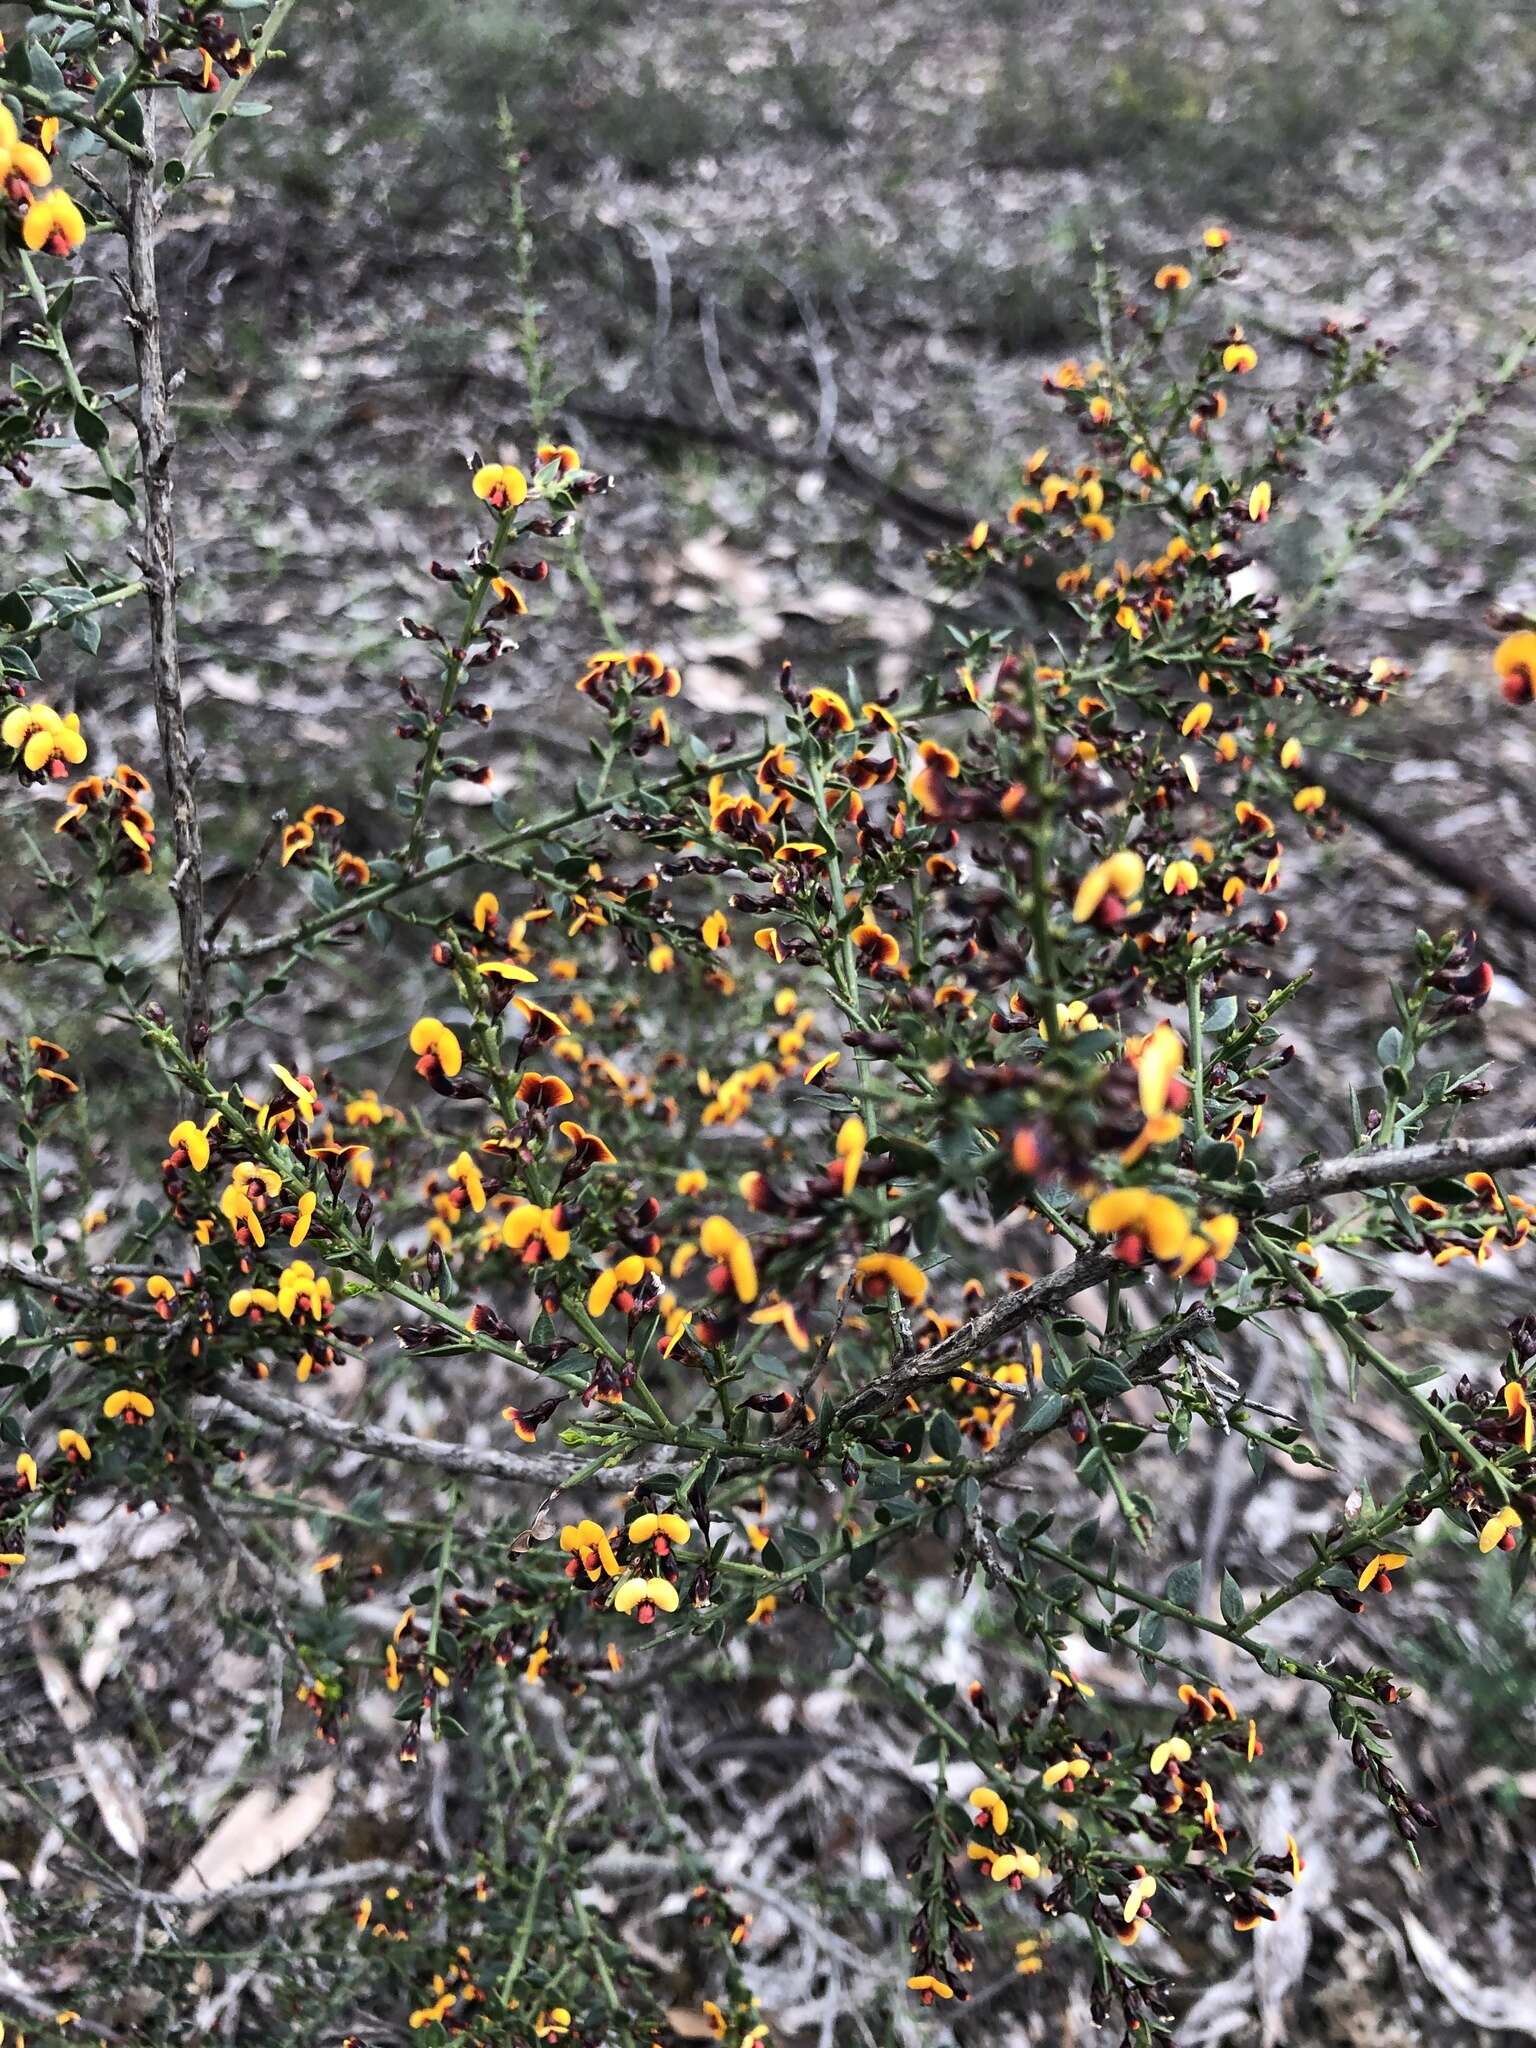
(1352,1173)
(157,446)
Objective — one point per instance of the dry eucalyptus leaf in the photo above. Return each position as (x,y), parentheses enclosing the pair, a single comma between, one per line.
(1502,2008)
(103,1762)
(258,1832)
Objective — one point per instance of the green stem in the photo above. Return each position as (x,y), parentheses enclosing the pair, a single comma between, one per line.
(261,49)
(119,594)
(1279,1259)
(1196,1044)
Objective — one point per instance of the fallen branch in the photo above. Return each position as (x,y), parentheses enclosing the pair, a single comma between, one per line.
(1482,883)
(263,1889)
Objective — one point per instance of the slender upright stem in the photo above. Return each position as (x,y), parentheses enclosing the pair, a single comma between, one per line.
(1042,942)
(1196,1046)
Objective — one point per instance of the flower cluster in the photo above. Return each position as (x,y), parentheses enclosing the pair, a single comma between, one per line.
(47,220)
(765,1113)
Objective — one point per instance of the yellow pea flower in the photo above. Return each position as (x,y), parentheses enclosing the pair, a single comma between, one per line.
(644,1599)
(1121,875)
(54,225)
(128,1403)
(666,1531)
(878,1273)
(194,1137)
(501,485)
(852,1141)
(436,1046)
(720,1240)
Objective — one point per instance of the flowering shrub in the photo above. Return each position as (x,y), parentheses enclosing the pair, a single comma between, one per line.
(832,1158)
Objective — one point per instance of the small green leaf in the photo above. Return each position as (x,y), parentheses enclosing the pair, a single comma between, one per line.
(1232,1608)
(1184,1584)
(1042,1413)
(1360,1301)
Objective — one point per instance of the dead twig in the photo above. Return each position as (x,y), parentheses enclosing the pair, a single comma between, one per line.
(522,1468)
(238,893)
(157,447)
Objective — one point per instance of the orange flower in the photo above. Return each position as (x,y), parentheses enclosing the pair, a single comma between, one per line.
(589,1150)
(878,950)
(929,784)
(878,1273)
(830,711)
(541,1025)
(543,1091)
